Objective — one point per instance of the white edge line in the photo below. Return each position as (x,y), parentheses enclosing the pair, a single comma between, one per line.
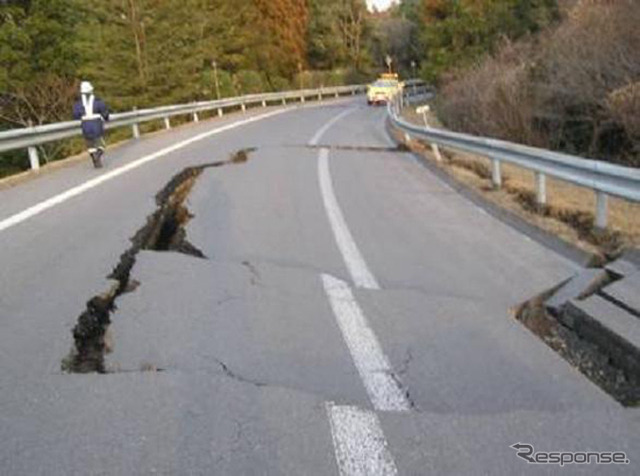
(72,192)
(380,381)
(359,443)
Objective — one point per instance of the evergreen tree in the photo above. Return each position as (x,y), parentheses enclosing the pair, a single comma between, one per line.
(457,32)
(282,26)
(326,48)
(38,60)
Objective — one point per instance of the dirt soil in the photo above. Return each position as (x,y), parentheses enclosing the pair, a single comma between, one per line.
(585,356)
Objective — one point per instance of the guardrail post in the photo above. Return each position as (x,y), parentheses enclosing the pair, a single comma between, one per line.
(135,128)
(195,117)
(220,113)
(434,147)
(436,151)
(244,107)
(496,176)
(167,123)
(337,94)
(34,160)
(320,96)
(264,103)
(302,99)
(284,101)
(601,210)
(541,189)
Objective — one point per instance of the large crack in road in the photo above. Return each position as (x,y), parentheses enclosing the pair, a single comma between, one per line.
(164,230)
(585,355)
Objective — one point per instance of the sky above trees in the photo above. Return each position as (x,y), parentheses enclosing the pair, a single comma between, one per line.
(379,4)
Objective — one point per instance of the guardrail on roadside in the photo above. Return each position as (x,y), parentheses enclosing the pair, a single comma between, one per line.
(30,137)
(416,91)
(603,178)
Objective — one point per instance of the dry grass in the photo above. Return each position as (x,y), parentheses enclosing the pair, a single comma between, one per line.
(569,213)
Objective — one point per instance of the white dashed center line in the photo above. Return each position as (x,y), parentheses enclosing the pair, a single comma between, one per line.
(360,273)
(374,368)
(359,444)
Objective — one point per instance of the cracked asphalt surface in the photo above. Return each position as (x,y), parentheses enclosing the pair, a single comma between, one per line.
(225,365)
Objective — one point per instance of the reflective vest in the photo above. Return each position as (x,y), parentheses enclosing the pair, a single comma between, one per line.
(87,103)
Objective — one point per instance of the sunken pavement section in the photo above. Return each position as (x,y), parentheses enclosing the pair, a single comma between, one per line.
(593,321)
(163,231)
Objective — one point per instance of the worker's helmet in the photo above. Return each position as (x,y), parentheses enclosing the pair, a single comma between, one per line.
(86,87)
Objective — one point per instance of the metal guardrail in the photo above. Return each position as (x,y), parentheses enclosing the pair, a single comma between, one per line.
(30,137)
(602,177)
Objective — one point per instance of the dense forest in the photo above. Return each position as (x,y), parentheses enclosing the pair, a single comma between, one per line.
(152,52)
(556,73)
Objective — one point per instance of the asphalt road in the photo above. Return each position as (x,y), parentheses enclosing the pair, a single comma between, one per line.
(352,316)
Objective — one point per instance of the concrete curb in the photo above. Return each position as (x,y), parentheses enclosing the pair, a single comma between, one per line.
(614,331)
(582,284)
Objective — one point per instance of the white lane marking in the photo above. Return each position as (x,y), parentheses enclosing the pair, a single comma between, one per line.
(359,443)
(357,266)
(72,192)
(374,368)
(318,135)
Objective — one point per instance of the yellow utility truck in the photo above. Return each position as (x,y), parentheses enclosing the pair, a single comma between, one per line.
(383,89)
